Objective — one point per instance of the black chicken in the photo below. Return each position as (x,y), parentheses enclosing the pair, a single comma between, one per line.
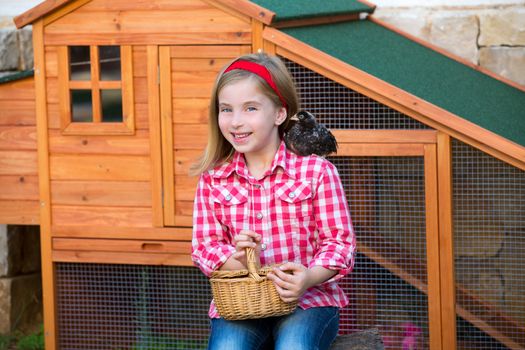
(306,136)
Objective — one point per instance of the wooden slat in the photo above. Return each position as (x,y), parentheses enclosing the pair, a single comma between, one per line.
(257,39)
(172,38)
(151,5)
(137,22)
(184,160)
(51,56)
(250,9)
(18,138)
(124,232)
(156,134)
(167,134)
(140,68)
(19,212)
(101,216)
(122,258)
(192,84)
(190,111)
(101,193)
(19,187)
(189,136)
(446,243)
(63,10)
(74,144)
(386,136)
(128,95)
(211,51)
(23,89)
(185,187)
(100,167)
(20,113)
(432,247)
(122,245)
(378,149)
(18,163)
(200,64)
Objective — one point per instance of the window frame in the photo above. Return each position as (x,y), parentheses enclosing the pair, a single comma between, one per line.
(95,84)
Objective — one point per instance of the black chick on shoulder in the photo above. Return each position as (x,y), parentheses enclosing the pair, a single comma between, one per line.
(306,136)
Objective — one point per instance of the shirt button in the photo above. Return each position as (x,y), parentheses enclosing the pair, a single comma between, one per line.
(291,194)
(229,197)
(259,216)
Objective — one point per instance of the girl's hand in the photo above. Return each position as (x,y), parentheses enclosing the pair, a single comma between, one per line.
(243,240)
(291,287)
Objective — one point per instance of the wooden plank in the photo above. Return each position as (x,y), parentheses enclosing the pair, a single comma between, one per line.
(140,61)
(141,21)
(18,163)
(19,212)
(185,187)
(19,187)
(123,258)
(122,245)
(446,243)
(89,231)
(75,144)
(20,113)
(64,105)
(200,64)
(211,51)
(101,193)
(168,38)
(378,149)
(167,134)
(257,39)
(149,5)
(23,89)
(385,136)
(48,285)
(18,138)
(184,159)
(188,136)
(63,11)
(155,129)
(190,111)
(128,96)
(67,215)
(100,167)
(38,11)
(51,57)
(192,84)
(432,247)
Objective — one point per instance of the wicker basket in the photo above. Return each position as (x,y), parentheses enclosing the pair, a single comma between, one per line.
(247,294)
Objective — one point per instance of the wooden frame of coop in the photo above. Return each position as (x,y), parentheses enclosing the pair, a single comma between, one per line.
(112,176)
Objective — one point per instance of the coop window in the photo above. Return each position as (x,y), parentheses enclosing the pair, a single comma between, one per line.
(96,89)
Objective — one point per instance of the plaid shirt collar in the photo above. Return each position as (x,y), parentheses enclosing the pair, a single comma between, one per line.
(283,159)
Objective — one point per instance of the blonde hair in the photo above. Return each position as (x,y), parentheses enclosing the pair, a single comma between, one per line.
(218,150)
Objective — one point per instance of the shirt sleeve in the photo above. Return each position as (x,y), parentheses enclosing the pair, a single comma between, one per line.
(336,238)
(211,244)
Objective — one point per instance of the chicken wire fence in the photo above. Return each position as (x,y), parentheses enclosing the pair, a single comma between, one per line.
(489,250)
(339,107)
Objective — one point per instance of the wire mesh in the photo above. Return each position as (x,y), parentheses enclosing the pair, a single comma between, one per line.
(339,107)
(105,306)
(386,196)
(489,250)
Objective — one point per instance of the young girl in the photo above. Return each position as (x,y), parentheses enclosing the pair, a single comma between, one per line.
(253,192)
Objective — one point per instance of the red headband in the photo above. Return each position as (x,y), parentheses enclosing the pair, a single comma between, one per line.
(260,70)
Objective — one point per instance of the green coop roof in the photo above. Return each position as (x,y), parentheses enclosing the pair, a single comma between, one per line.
(423,72)
(286,10)
(17,75)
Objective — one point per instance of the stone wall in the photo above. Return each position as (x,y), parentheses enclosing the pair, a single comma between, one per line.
(492,37)
(20,280)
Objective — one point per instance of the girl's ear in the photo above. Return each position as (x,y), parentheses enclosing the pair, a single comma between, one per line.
(281,116)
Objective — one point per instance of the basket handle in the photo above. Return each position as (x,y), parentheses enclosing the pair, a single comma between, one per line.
(253,264)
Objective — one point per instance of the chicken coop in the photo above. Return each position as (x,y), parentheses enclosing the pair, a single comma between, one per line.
(96,143)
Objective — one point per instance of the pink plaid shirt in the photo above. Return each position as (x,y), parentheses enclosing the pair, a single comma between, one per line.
(299,208)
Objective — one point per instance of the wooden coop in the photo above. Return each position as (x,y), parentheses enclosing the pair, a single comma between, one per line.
(95,148)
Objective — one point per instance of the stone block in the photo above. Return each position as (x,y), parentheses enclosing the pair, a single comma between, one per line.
(456,33)
(508,62)
(20,302)
(413,22)
(25,43)
(19,250)
(9,54)
(369,339)
(502,27)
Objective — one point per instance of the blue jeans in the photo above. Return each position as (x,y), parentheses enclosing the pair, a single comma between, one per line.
(311,329)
